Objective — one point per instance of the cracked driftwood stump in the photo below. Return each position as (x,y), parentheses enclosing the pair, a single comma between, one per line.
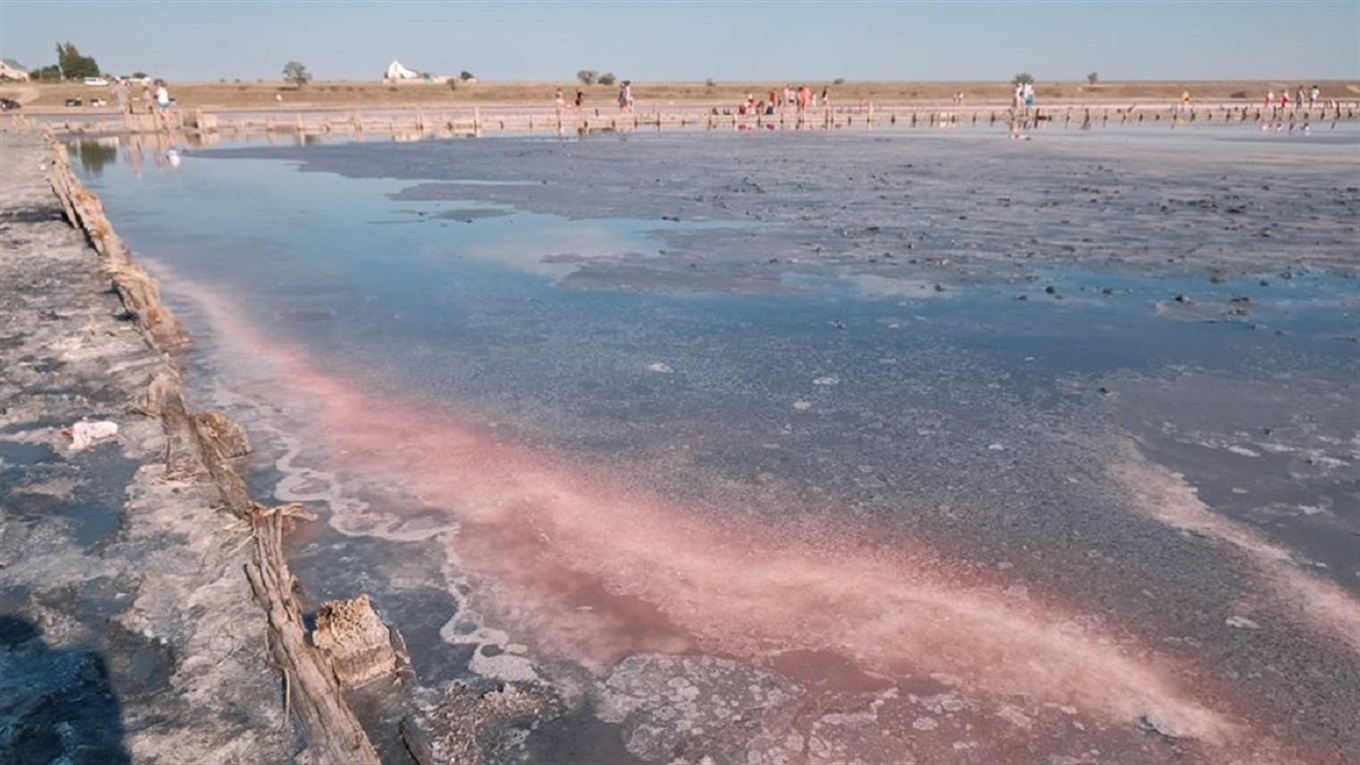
(354,641)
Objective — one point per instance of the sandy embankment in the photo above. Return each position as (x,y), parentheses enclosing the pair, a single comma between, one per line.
(127,628)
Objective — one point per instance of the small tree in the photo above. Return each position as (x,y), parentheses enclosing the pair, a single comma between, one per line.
(607,78)
(465,75)
(296,73)
(838,81)
(1093,77)
(1023,78)
(73,65)
(144,75)
(588,76)
(48,73)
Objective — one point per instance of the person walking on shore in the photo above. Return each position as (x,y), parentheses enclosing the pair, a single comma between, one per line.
(120,96)
(163,104)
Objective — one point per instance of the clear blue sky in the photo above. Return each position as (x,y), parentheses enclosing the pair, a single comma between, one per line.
(1121,39)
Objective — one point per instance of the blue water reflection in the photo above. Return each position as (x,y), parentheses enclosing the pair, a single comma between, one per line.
(461,297)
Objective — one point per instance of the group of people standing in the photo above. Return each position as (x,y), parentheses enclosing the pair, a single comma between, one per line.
(800,100)
(122,96)
(579,102)
(1023,97)
(1313,94)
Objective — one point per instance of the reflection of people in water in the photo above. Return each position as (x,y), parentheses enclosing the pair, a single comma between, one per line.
(55,705)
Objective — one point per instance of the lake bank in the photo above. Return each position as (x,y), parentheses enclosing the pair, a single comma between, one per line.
(134,635)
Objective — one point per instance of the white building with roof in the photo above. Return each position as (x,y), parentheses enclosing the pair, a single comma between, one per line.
(395,71)
(10,70)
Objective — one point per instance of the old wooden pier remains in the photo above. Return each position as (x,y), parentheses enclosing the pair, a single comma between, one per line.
(414,123)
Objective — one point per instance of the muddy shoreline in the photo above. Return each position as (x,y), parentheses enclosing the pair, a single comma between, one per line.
(133,560)
(130,631)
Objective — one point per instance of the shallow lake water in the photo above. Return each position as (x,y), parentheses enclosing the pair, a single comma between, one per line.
(811,447)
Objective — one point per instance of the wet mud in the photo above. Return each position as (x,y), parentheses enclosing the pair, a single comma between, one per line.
(746,447)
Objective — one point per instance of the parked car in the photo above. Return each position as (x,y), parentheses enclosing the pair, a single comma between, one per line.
(96,101)
(96,82)
(73,101)
(8,104)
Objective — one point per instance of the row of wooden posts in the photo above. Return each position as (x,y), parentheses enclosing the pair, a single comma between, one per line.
(418,122)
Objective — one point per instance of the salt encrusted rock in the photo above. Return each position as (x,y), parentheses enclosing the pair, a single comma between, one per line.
(354,641)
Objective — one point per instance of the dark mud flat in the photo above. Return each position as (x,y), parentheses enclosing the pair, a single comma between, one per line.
(810,448)
(127,629)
